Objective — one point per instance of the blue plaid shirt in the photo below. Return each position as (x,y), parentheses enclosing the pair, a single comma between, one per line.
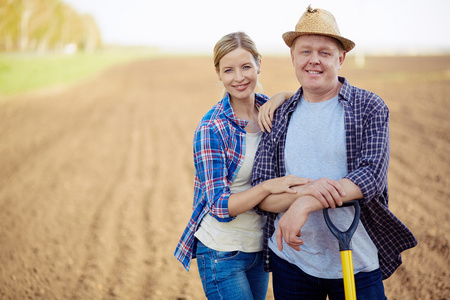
(219,151)
(367,139)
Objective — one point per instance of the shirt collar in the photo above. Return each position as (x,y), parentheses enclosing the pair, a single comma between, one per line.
(229,113)
(346,91)
(344,95)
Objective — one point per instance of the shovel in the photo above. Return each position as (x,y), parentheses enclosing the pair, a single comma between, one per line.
(345,248)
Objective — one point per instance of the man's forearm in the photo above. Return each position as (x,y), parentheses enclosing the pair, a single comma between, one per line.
(352,191)
(277,202)
(281,202)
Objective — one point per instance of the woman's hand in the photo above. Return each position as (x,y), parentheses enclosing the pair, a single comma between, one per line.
(266,111)
(284,184)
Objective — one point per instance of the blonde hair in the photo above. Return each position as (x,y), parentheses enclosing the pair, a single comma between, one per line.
(232,42)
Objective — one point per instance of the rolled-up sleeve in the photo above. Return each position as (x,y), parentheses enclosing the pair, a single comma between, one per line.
(211,171)
(372,161)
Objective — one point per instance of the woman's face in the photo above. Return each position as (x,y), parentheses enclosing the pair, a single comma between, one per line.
(238,71)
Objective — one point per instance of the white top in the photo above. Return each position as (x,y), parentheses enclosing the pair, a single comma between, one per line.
(245,232)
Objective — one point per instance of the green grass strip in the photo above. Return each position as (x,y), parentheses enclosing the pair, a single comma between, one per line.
(26,72)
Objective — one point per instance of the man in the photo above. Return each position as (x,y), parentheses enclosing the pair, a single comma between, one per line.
(338,136)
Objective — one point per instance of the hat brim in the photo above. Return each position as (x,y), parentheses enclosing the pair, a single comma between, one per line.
(290,36)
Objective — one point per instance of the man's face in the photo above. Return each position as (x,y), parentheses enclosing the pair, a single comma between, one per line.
(316,60)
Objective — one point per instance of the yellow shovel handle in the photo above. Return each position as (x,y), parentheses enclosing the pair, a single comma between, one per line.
(349,278)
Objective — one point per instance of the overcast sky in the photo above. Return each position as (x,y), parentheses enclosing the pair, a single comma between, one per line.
(196,25)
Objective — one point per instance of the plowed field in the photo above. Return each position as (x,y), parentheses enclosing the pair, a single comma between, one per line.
(96,178)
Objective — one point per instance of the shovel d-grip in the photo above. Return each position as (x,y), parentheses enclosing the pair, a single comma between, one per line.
(345,248)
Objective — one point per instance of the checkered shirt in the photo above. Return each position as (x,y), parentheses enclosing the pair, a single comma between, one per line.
(367,139)
(219,151)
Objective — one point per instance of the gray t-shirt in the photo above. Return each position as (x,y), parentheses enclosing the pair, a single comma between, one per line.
(316,148)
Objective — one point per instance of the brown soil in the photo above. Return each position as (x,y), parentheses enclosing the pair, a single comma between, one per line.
(96,178)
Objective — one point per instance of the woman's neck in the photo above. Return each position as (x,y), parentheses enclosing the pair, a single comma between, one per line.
(246,110)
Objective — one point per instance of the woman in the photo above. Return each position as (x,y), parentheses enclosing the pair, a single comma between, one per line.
(224,232)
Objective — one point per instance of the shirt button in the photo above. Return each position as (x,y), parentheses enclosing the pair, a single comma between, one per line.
(267,261)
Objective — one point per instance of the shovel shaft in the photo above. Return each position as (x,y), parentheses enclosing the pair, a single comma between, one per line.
(349,278)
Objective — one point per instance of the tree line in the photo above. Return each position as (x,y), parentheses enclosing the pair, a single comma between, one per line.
(45,26)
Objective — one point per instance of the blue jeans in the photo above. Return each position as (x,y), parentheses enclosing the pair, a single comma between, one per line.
(232,275)
(290,282)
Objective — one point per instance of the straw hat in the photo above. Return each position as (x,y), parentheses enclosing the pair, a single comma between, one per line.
(318,22)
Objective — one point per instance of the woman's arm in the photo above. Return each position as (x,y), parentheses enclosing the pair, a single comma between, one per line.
(211,169)
(266,111)
(239,203)
(328,192)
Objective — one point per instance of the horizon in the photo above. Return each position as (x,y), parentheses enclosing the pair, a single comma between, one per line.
(383,27)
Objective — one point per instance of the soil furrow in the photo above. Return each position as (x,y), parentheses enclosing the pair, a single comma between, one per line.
(96,180)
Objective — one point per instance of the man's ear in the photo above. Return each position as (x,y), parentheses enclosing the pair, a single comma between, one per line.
(292,58)
(341,59)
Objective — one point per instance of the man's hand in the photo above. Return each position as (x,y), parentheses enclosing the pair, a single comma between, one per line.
(314,196)
(291,223)
(327,191)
